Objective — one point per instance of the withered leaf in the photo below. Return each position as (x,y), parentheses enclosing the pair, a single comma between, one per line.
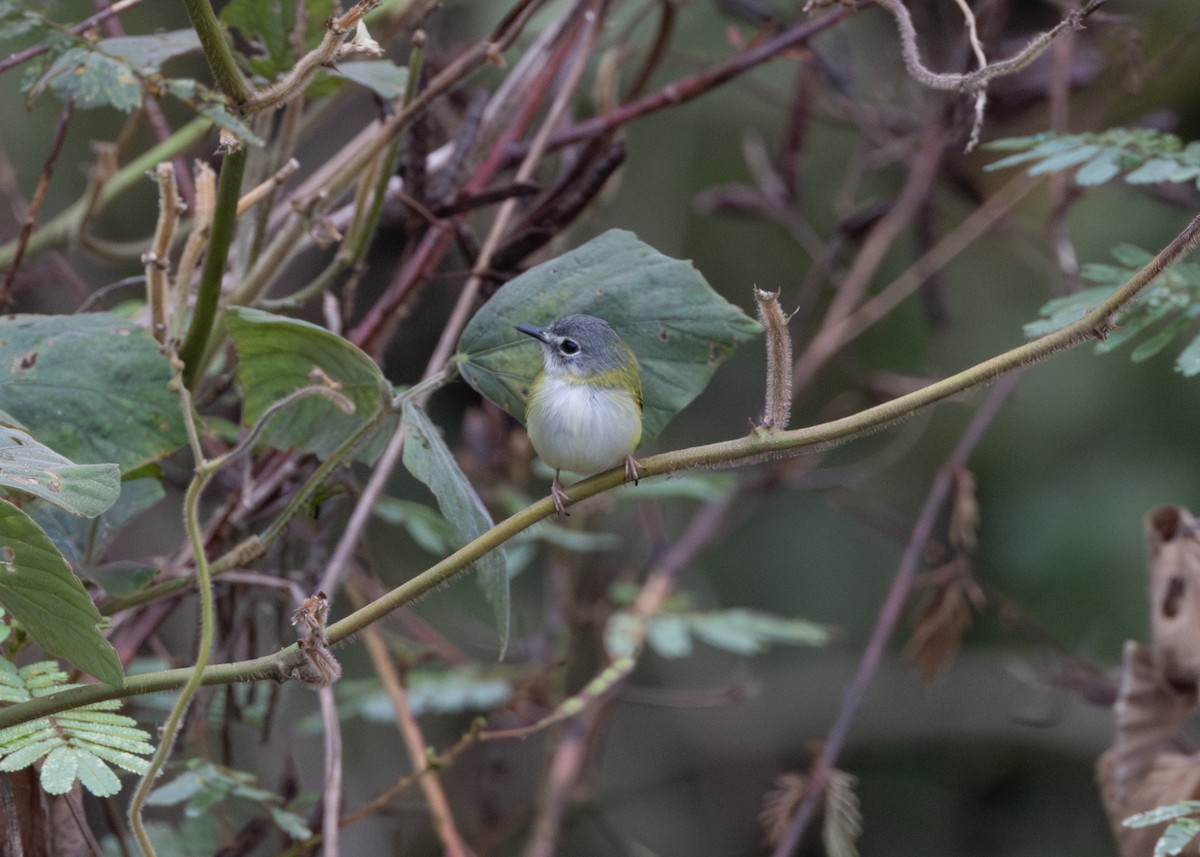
(1173,547)
(944,618)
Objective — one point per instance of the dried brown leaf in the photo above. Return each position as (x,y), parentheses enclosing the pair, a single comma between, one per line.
(944,618)
(779,805)
(1173,547)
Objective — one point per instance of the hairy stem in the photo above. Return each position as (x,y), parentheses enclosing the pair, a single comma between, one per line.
(732,452)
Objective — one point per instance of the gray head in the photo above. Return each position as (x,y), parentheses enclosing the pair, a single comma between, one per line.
(581,345)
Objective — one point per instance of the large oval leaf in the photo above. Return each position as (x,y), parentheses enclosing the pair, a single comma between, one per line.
(277,356)
(91,387)
(34,468)
(38,588)
(679,328)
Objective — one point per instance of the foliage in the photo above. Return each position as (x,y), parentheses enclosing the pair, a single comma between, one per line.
(427,457)
(39,590)
(1183,828)
(195,460)
(1164,313)
(679,328)
(76,744)
(739,631)
(429,691)
(279,356)
(106,372)
(204,785)
(1144,155)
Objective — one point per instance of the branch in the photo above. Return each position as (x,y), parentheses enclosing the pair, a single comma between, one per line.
(756,447)
(892,611)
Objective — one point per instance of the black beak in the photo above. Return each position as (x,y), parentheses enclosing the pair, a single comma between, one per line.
(538,333)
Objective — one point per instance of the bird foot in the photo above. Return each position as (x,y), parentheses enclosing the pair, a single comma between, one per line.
(632,469)
(560,497)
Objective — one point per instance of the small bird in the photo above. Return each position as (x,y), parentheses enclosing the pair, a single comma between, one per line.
(585,407)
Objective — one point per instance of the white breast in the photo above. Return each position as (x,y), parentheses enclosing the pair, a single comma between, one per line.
(583,429)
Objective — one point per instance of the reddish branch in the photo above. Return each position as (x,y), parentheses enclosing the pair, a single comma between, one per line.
(35,202)
(893,609)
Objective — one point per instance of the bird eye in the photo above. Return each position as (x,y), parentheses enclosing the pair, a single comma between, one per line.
(569,347)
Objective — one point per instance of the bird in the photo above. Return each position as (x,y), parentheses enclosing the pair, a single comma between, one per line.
(584,411)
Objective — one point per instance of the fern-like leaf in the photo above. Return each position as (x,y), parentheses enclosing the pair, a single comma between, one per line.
(77,744)
(1183,828)
(1144,155)
(204,785)
(740,631)
(1166,311)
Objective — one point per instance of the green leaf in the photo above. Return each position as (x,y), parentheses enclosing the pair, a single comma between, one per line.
(1188,361)
(425,525)
(76,743)
(427,457)
(80,540)
(1098,170)
(383,77)
(748,632)
(1066,310)
(91,387)
(1062,160)
(262,22)
(211,104)
(122,578)
(679,328)
(203,785)
(38,589)
(452,691)
(1176,837)
(1160,340)
(1154,171)
(31,467)
(92,79)
(278,356)
(669,636)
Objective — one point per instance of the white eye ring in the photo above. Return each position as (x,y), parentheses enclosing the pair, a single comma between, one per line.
(569,347)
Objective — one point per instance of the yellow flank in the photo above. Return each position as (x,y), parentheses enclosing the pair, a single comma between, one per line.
(583,425)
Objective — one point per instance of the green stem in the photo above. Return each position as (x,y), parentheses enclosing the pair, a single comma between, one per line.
(758,445)
(58,230)
(170,729)
(224,67)
(229,188)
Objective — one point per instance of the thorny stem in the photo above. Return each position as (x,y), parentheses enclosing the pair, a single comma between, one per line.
(1096,323)
(224,67)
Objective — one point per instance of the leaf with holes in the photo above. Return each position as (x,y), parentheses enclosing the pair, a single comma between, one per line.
(91,387)
(32,467)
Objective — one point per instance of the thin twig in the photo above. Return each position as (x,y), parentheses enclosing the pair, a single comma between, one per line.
(36,50)
(755,447)
(852,289)
(35,202)
(892,610)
